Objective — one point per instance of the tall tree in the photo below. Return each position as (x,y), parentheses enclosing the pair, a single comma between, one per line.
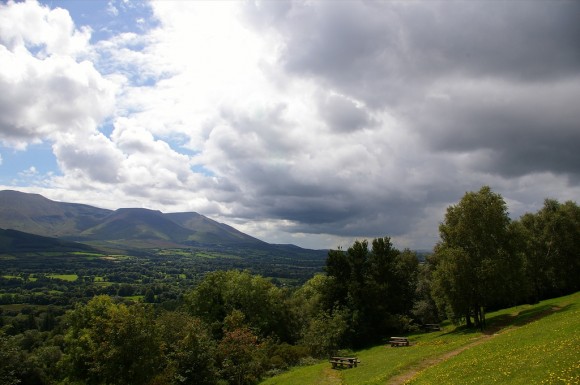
(476,261)
(550,244)
(373,286)
(424,307)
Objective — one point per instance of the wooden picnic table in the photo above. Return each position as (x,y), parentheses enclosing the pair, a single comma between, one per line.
(399,341)
(348,362)
(432,327)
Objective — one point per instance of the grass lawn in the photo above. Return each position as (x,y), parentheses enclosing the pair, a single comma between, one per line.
(532,344)
(319,374)
(379,363)
(546,351)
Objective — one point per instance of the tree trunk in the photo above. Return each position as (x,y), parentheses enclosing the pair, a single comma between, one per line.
(476,317)
(468,320)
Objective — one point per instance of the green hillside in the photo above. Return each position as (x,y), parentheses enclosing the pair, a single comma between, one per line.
(135,223)
(13,241)
(35,214)
(529,344)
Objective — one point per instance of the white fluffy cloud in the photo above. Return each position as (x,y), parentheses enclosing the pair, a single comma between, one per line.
(45,89)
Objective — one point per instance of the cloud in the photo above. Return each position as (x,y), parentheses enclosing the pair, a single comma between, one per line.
(26,25)
(313,122)
(343,114)
(45,89)
(518,129)
(92,159)
(387,53)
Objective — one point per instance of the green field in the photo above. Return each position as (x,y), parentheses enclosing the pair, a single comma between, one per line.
(31,278)
(531,344)
(64,277)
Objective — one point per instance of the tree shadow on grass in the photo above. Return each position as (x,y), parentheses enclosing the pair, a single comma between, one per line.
(501,321)
(526,316)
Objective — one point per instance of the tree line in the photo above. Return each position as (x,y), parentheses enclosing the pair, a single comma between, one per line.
(485,260)
(235,327)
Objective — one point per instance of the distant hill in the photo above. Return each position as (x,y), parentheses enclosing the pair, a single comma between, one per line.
(14,241)
(133,227)
(137,224)
(35,214)
(209,231)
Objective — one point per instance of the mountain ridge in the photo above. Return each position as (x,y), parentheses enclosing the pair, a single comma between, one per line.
(38,215)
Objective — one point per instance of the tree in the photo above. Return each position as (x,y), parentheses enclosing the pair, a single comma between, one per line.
(109,343)
(324,333)
(424,307)
(263,305)
(240,352)
(476,262)
(10,361)
(550,247)
(373,286)
(189,350)
(308,301)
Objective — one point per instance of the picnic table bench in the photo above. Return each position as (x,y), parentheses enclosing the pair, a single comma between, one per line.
(399,341)
(432,327)
(348,362)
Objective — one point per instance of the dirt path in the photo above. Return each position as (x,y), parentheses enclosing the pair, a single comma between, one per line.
(416,369)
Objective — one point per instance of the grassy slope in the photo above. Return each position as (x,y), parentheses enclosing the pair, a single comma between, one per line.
(533,344)
(543,351)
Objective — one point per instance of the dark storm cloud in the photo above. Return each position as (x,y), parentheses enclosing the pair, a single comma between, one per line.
(520,130)
(428,63)
(380,51)
(338,212)
(354,217)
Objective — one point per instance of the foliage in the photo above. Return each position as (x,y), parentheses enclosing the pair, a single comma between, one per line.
(10,361)
(188,349)
(258,299)
(519,348)
(240,353)
(324,333)
(307,301)
(372,286)
(109,343)
(424,307)
(549,241)
(476,264)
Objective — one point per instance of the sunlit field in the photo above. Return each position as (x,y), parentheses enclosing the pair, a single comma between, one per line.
(531,344)
(546,351)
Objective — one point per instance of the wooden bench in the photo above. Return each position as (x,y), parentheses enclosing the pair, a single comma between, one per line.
(432,327)
(399,341)
(348,362)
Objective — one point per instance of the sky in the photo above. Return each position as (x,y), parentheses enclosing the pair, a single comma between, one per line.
(315,123)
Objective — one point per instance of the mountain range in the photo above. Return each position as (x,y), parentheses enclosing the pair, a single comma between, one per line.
(122,228)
